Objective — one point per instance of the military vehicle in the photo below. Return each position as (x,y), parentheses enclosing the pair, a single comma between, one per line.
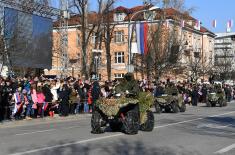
(123,113)
(170,103)
(216,96)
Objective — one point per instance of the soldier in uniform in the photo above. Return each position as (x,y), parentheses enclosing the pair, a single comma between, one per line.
(128,85)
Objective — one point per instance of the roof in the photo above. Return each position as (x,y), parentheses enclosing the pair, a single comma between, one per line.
(170,13)
(225,35)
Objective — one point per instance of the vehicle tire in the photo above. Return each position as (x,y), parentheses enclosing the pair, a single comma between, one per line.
(115,126)
(183,107)
(158,108)
(175,107)
(225,103)
(149,124)
(208,104)
(97,123)
(131,122)
(221,103)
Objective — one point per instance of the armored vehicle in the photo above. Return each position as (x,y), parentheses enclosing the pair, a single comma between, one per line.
(170,103)
(123,113)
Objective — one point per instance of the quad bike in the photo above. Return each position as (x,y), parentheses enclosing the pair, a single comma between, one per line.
(123,113)
(170,103)
(214,99)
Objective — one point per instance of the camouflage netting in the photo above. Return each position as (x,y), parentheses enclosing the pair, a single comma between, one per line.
(110,107)
(146,101)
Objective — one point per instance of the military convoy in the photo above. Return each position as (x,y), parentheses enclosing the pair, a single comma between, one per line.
(123,113)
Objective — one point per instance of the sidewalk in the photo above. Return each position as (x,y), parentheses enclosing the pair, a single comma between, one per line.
(45,120)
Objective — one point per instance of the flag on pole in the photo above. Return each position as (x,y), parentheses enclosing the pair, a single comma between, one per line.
(228,27)
(182,23)
(230,23)
(214,23)
(142,38)
(197,25)
(167,23)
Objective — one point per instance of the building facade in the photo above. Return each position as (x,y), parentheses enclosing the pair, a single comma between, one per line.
(225,54)
(197,44)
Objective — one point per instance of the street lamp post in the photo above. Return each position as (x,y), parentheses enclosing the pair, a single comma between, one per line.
(129,67)
(96,66)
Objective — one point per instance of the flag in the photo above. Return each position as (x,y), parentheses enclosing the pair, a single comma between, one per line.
(197,25)
(167,23)
(214,23)
(182,23)
(228,27)
(142,38)
(230,23)
(138,37)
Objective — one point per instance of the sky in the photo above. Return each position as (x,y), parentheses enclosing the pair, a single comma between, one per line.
(205,11)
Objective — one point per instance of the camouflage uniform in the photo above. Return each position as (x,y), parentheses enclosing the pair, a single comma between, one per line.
(129,84)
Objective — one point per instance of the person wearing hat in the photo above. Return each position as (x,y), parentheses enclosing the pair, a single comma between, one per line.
(128,85)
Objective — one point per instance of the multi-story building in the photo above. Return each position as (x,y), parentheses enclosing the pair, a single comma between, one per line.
(225,53)
(198,43)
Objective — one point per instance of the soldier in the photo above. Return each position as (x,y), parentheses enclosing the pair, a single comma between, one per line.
(129,85)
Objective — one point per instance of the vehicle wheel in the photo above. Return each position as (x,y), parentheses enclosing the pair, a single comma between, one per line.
(97,123)
(158,108)
(175,107)
(225,103)
(208,104)
(149,124)
(115,126)
(131,122)
(183,107)
(221,103)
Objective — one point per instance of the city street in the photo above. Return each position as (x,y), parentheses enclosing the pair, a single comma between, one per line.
(198,131)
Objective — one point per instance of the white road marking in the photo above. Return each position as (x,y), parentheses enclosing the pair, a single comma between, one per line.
(41,131)
(28,133)
(111,136)
(67,144)
(226,149)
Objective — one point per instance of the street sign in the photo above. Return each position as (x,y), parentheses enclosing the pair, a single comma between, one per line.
(97,51)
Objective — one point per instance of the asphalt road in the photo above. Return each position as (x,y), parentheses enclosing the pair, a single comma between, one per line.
(198,131)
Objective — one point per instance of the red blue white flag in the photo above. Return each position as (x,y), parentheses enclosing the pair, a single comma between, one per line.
(197,25)
(142,38)
(182,23)
(214,23)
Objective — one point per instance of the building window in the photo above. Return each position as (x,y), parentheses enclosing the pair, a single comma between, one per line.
(119,57)
(97,59)
(119,17)
(119,76)
(119,36)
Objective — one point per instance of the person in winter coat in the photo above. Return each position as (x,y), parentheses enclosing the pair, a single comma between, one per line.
(95,92)
(48,97)
(64,94)
(195,96)
(27,102)
(41,101)
(73,99)
(33,93)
